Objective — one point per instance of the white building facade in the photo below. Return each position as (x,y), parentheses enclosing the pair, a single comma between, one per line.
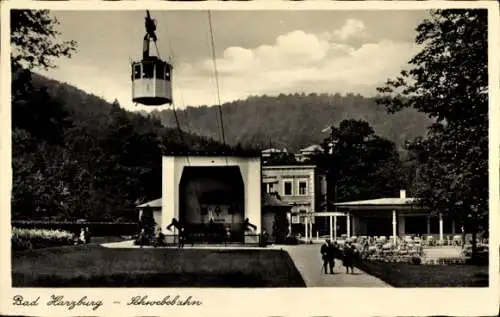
(226,189)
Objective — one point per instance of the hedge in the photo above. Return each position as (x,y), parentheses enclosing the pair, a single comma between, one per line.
(97,229)
(23,239)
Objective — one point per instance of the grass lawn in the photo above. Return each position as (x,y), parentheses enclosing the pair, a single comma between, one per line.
(95,266)
(408,275)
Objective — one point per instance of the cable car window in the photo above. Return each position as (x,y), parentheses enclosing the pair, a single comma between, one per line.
(148,70)
(137,71)
(167,72)
(160,70)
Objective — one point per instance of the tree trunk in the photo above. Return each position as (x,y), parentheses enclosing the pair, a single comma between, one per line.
(463,234)
(474,238)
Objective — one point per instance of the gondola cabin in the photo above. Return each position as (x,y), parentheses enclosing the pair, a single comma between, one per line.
(151,82)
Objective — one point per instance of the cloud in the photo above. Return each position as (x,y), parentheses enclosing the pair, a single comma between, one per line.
(298,62)
(352,28)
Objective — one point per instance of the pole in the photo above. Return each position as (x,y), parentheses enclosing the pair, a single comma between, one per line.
(348,225)
(394,222)
(306,229)
(335,227)
(331,228)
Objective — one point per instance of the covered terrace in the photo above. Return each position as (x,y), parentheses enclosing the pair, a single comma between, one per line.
(391,217)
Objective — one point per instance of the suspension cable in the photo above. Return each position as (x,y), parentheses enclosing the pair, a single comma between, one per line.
(217,120)
(217,81)
(180,131)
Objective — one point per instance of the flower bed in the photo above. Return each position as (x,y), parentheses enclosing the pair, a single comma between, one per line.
(23,239)
(409,250)
(380,250)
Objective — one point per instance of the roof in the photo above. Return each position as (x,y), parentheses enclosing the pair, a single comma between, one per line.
(312,148)
(295,166)
(153,204)
(379,202)
(230,153)
(274,150)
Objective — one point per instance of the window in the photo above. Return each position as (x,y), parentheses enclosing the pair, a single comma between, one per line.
(160,70)
(288,189)
(270,188)
(168,72)
(147,69)
(137,71)
(302,188)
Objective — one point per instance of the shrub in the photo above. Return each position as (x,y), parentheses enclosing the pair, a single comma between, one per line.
(23,239)
(291,240)
(416,260)
(98,229)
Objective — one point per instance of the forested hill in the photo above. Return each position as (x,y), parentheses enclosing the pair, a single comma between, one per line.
(94,112)
(296,120)
(77,156)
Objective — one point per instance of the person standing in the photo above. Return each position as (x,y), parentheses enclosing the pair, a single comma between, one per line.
(348,259)
(87,235)
(328,256)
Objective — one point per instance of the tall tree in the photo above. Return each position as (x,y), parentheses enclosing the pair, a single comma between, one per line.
(35,44)
(34,40)
(359,164)
(448,80)
(38,122)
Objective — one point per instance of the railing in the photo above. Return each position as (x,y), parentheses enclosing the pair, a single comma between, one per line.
(247,240)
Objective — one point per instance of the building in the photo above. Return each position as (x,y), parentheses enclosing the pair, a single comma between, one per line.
(306,153)
(203,188)
(392,217)
(271,152)
(302,186)
(231,191)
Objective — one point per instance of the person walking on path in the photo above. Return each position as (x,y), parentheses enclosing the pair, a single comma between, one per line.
(349,257)
(328,256)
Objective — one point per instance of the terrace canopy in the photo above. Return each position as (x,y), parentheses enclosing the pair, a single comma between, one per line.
(365,213)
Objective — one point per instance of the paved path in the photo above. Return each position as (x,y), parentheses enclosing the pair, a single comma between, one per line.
(308,261)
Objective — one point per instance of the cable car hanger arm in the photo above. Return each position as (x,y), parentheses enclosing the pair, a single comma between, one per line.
(150,25)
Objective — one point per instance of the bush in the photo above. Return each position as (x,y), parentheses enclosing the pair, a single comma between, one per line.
(416,260)
(291,240)
(98,229)
(23,239)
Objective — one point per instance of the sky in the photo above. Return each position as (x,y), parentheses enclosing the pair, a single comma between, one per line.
(257,52)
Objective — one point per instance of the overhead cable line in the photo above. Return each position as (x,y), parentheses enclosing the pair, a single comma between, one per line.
(217,81)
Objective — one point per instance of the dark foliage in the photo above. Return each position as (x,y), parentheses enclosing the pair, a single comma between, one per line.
(296,120)
(359,164)
(448,81)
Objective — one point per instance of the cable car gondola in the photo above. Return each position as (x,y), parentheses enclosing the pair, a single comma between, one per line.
(151,76)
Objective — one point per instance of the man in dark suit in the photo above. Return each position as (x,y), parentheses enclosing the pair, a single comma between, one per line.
(328,256)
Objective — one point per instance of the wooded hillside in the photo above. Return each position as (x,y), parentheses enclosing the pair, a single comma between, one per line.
(296,120)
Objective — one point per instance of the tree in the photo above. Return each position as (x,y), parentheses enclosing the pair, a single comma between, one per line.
(34,44)
(448,81)
(283,158)
(33,39)
(360,164)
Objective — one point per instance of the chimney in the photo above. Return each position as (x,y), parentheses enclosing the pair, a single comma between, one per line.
(402,194)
